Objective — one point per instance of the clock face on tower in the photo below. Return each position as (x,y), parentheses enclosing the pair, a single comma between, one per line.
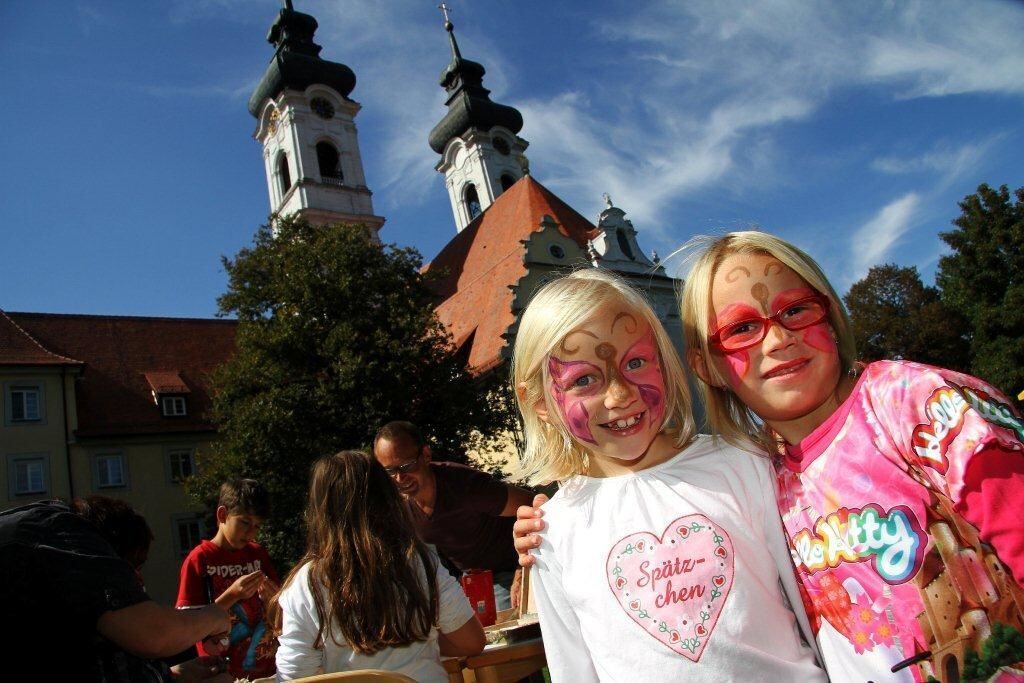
(322,107)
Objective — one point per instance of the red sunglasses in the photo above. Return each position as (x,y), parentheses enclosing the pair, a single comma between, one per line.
(797,315)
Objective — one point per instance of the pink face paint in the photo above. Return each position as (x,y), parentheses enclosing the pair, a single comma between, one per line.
(818,337)
(648,380)
(785,298)
(737,363)
(575,414)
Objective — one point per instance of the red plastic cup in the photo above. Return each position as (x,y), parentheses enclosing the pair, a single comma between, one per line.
(478,585)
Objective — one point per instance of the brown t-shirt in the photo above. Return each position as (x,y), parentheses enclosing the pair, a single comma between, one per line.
(466,526)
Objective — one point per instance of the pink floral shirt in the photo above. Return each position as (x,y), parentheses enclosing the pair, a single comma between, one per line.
(903,514)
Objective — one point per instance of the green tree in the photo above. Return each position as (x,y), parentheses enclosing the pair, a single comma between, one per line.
(336,336)
(895,315)
(983,279)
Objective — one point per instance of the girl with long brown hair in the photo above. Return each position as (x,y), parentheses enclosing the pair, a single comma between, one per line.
(368,594)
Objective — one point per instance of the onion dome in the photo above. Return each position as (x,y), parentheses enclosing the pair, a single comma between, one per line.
(468,103)
(296,64)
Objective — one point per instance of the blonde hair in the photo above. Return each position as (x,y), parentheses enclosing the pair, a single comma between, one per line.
(726,414)
(558,308)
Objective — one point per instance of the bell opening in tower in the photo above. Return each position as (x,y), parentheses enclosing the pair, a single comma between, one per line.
(472,201)
(284,177)
(329,162)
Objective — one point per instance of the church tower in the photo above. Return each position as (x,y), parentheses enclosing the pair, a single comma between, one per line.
(481,154)
(305,123)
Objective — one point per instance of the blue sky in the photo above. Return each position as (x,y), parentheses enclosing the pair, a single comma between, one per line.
(850,128)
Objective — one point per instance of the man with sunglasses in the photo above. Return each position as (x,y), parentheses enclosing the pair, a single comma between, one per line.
(465,513)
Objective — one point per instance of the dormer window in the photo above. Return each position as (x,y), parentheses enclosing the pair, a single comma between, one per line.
(173,406)
(169,392)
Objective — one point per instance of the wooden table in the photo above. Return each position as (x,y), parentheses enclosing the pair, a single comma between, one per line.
(505,663)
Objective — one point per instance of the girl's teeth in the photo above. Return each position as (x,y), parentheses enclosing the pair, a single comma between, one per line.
(624,424)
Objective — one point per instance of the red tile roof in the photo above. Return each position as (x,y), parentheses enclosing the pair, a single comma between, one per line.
(483,261)
(113,396)
(166,383)
(18,347)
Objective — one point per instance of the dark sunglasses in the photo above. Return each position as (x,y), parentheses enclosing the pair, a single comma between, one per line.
(797,315)
(405,468)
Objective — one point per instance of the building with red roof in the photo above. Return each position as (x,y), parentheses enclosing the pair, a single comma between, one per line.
(514,234)
(120,406)
(115,406)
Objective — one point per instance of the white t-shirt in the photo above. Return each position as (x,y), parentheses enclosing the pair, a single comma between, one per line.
(671,574)
(421,661)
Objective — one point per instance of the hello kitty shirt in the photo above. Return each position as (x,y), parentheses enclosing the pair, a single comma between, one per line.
(903,516)
(673,573)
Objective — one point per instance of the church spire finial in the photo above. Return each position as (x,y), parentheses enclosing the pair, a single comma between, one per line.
(450,27)
(288,5)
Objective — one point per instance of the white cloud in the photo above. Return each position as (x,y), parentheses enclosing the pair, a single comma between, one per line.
(687,96)
(949,163)
(871,242)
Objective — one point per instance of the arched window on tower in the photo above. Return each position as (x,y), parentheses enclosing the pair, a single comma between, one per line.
(283,176)
(472,201)
(624,245)
(329,162)
(507,181)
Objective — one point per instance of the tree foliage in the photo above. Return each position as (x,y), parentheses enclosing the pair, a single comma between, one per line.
(983,279)
(895,315)
(336,336)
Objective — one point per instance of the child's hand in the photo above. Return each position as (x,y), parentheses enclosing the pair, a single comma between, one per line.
(523,531)
(268,589)
(242,589)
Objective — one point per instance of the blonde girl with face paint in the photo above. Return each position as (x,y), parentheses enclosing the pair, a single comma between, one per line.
(665,558)
(899,483)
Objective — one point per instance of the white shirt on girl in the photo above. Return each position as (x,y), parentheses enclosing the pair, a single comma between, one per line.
(421,661)
(672,573)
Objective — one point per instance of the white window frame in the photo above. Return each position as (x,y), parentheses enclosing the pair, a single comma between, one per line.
(177,522)
(178,452)
(25,388)
(173,406)
(42,460)
(98,469)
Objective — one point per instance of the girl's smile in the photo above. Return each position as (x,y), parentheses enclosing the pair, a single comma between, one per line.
(605,380)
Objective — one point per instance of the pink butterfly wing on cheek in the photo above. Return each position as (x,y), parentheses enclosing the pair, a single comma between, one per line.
(817,336)
(820,337)
(737,363)
(575,414)
(648,380)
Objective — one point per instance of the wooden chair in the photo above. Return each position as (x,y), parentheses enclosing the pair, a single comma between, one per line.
(361,676)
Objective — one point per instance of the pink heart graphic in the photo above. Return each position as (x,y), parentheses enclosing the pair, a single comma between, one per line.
(620,582)
(676,591)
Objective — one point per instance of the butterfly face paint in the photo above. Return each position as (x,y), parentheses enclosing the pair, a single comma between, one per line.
(607,384)
(573,407)
(789,374)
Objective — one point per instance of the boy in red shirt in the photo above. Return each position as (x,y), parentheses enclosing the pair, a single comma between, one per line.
(235,572)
